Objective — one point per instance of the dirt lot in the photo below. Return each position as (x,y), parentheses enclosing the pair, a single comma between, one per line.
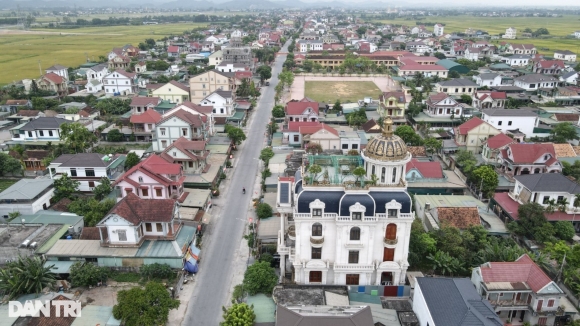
(104,295)
(325,88)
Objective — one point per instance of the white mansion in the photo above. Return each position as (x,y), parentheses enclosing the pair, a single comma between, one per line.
(337,228)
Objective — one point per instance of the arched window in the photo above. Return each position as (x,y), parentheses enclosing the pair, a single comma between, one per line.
(355,233)
(391,233)
(394,175)
(383,173)
(316,230)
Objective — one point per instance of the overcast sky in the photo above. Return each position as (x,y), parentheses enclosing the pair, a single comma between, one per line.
(456,3)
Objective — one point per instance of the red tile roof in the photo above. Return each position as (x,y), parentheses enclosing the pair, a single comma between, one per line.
(173,49)
(155,167)
(205,109)
(522,270)
(399,96)
(54,78)
(144,101)
(468,125)
(309,130)
(437,97)
(149,116)
(242,74)
(427,169)
(28,113)
(528,153)
(550,63)
(90,233)
(499,141)
(126,74)
(16,102)
(51,319)
(298,108)
(295,125)
(194,120)
(420,67)
(136,210)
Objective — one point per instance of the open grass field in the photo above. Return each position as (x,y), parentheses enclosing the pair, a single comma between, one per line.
(559,27)
(345,91)
(52,18)
(22,51)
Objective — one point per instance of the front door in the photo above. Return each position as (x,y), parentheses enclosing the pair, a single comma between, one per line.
(352,279)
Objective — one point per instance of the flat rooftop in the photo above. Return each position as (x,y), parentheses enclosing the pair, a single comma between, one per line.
(12,237)
(308,295)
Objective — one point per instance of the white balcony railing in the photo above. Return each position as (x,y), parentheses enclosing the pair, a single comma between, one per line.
(354,267)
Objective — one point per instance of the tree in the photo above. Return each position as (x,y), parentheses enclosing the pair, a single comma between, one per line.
(571,170)
(532,222)
(87,274)
(314,170)
(265,72)
(64,187)
(466,99)
(260,278)
(264,210)
(439,55)
(266,154)
(239,314)
(236,134)
(91,209)
(25,275)
(156,271)
(564,230)
(485,177)
(9,165)
(454,74)
(149,306)
(103,189)
(564,132)
(313,148)
(76,137)
(444,263)
(131,160)
(278,111)
(115,136)
(433,145)
(361,31)
(359,172)
(466,160)
(357,117)
(337,106)
(409,136)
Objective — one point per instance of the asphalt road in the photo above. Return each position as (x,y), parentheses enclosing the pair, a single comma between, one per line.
(215,273)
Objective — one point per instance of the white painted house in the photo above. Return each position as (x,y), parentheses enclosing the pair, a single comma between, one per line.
(533,82)
(510,33)
(59,70)
(353,235)
(517,60)
(86,168)
(488,79)
(97,72)
(182,121)
(120,82)
(39,129)
(565,55)
(26,196)
(222,102)
(511,119)
(438,29)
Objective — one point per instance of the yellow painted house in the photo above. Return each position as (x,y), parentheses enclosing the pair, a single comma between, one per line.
(473,134)
(393,104)
(174,92)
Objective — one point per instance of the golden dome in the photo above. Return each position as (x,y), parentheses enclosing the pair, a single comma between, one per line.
(388,146)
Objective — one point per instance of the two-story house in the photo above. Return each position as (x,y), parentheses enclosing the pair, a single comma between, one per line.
(39,129)
(133,220)
(517,159)
(180,122)
(511,119)
(533,82)
(86,168)
(393,104)
(549,67)
(120,82)
(456,87)
(97,72)
(519,290)
(517,60)
(119,62)
(140,104)
(152,178)
(174,92)
(489,99)
(522,49)
(59,70)
(494,145)
(510,33)
(144,124)
(226,66)
(222,103)
(291,133)
(473,133)
(565,55)
(442,104)
(53,83)
(190,154)
(302,111)
(205,83)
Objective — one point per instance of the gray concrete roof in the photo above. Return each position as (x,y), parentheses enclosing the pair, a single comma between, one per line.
(509,113)
(83,160)
(44,123)
(26,189)
(458,82)
(548,182)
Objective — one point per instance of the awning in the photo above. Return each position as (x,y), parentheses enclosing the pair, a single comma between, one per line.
(60,267)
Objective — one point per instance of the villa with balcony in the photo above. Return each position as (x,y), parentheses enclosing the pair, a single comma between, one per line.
(342,226)
(553,191)
(519,291)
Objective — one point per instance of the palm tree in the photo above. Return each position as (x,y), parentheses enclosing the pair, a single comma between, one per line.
(443,262)
(563,203)
(26,275)
(551,206)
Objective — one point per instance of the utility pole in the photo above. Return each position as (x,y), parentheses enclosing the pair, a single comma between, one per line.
(39,68)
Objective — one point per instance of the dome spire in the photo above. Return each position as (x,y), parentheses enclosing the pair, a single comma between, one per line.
(388,127)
